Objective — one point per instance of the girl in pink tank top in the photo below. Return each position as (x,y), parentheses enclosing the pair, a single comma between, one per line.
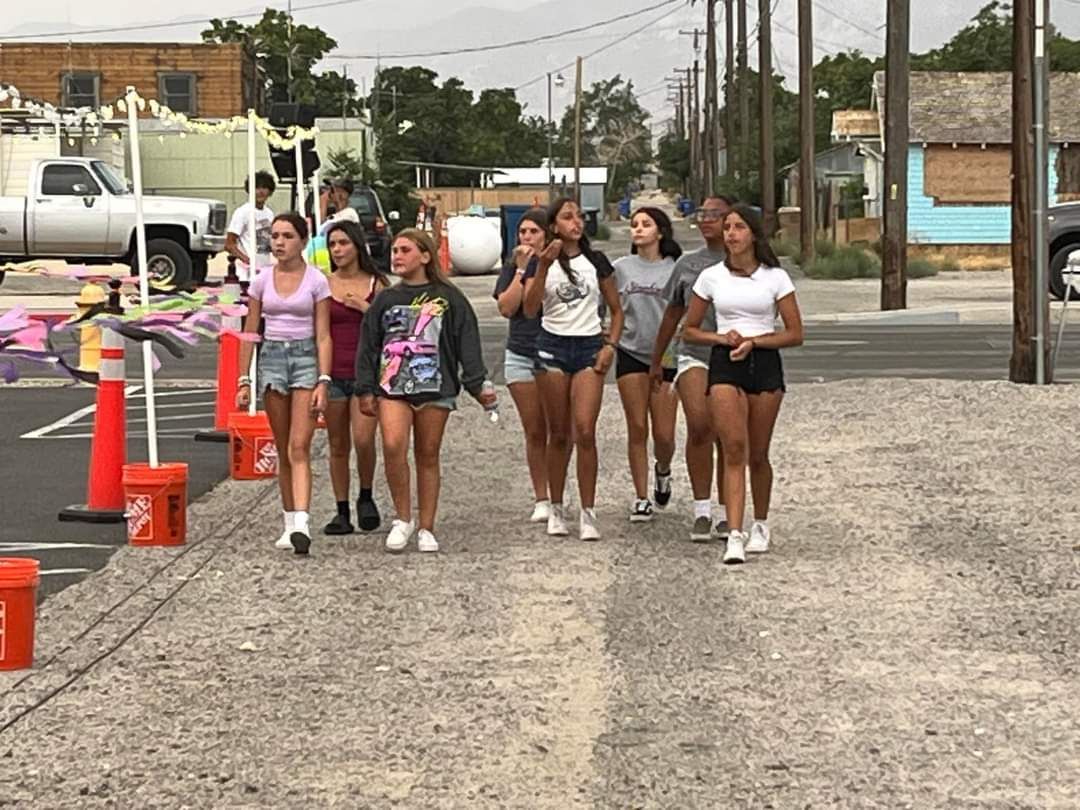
(353,286)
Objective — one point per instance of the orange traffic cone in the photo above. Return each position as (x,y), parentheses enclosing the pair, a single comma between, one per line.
(108,447)
(228,369)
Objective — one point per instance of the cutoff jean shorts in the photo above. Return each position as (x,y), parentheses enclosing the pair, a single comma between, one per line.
(288,364)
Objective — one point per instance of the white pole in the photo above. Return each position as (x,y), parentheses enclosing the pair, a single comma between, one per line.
(253,372)
(316,207)
(144,278)
(1041,81)
(298,153)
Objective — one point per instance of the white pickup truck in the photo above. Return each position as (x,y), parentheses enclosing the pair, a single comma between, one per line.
(80,210)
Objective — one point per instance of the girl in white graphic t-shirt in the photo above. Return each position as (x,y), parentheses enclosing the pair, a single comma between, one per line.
(569,282)
(746,377)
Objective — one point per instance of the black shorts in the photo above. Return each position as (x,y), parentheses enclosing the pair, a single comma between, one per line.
(626,363)
(760,372)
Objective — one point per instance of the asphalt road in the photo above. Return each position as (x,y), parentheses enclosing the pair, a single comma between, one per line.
(40,476)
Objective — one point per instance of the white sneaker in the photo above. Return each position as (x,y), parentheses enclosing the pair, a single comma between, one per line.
(399,536)
(759,539)
(541,512)
(588,528)
(285,541)
(735,552)
(642,511)
(557,522)
(426,541)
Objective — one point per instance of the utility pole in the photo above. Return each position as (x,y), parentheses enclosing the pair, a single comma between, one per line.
(729,87)
(766,158)
(711,111)
(288,46)
(1028,300)
(807,173)
(1041,70)
(577,132)
(696,150)
(897,45)
(744,96)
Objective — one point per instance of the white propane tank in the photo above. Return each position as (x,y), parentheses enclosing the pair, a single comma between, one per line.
(475,244)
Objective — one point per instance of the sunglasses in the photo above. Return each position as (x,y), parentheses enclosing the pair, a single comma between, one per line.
(710,214)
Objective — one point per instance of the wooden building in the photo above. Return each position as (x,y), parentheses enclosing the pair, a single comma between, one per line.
(203,80)
(960,158)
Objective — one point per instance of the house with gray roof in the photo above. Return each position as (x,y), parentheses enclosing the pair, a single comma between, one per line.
(960,154)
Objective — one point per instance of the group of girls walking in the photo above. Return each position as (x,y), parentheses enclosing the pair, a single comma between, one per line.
(366,355)
(724,368)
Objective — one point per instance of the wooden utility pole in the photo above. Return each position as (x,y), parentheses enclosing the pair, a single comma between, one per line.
(807,172)
(692,133)
(729,86)
(744,96)
(696,149)
(1025,295)
(577,132)
(766,158)
(711,148)
(897,44)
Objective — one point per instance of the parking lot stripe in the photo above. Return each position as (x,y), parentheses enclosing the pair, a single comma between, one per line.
(75,416)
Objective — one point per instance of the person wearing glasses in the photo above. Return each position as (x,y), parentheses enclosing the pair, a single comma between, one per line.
(692,368)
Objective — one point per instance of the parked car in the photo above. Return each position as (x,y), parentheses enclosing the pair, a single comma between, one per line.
(377,229)
(80,210)
(1064,237)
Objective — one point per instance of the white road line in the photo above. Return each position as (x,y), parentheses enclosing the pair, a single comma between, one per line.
(179,393)
(166,433)
(62,571)
(50,546)
(178,405)
(183,418)
(42,432)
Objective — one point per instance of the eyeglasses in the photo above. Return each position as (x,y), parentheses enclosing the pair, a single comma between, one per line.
(710,214)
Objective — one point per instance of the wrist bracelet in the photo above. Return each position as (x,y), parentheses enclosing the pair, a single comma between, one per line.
(244,380)
(325,378)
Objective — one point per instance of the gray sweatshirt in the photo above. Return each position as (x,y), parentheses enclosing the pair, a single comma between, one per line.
(641,286)
(680,289)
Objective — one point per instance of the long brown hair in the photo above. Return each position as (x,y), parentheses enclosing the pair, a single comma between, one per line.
(425,244)
(355,234)
(597,258)
(763,251)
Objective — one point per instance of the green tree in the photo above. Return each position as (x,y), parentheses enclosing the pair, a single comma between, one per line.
(268,41)
(841,82)
(614,133)
(673,160)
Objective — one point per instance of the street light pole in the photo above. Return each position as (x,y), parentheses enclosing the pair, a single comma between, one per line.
(550,146)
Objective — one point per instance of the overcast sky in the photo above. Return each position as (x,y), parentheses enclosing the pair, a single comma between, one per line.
(369,26)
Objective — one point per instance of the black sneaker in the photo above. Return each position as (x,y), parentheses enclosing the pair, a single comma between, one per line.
(339,525)
(722,530)
(702,530)
(301,543)
(642,512)
(662,490)
(367,515)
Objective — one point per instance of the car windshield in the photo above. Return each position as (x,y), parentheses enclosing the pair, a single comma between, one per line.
(365,204)
(109,177)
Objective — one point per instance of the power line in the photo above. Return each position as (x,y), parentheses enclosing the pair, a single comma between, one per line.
(618,41)
(177,24)
(513,44)
(875,34)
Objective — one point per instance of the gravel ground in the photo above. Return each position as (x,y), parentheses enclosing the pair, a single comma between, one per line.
(910,642)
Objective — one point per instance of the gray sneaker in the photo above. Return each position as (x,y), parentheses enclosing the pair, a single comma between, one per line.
(701,531)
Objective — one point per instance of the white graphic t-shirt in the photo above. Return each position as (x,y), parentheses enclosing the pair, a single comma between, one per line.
(240,224)
(746,304)
(571,307)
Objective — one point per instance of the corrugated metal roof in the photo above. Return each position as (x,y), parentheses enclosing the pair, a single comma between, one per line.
(952,107)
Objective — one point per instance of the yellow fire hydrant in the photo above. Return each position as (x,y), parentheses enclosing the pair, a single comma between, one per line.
(89,335)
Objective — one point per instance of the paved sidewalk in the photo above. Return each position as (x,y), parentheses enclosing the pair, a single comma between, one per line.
(910,642)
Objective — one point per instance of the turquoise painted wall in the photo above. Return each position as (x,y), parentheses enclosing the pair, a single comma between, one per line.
(958,224)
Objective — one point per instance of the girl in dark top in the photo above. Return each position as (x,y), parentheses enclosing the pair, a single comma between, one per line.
(569,283)
(519,365)
(416,337)
(353,286)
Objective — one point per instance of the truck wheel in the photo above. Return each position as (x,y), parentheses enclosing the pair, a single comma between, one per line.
(200,268)
(1057,265)
(167,263)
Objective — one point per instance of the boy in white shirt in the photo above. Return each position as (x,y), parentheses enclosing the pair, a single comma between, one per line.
(238,236)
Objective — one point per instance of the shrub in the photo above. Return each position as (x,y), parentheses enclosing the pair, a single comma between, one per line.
(784,247)
(603,232)
(845,263)
(921,268)
(823,248)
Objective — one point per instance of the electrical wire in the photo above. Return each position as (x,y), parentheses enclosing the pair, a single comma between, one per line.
(875,34)
(621,38)
(512,44)
(175,24)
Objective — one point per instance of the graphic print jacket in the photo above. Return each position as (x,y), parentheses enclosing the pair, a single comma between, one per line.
(415,340)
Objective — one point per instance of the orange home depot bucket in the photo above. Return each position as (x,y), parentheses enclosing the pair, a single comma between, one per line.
(252,452)
(156,504)
(18,595)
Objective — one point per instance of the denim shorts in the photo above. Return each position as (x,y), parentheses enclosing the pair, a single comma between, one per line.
(340,389)
(288,364)
(567,353)
(517,368)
